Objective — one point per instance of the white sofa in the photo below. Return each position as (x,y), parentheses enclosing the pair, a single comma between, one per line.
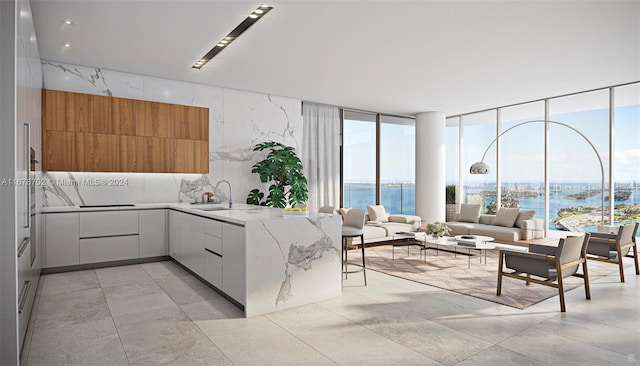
(507,226)
(381,227)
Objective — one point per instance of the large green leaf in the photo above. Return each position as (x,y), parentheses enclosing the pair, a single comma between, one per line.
(282,168)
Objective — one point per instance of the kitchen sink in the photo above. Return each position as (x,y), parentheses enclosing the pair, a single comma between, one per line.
(213,209)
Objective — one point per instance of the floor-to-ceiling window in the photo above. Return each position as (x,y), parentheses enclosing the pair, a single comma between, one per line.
(522,157)
(390,171)
(479,132)
(580,148)
(398,164)
(626,167)
(575,172)
(359,159)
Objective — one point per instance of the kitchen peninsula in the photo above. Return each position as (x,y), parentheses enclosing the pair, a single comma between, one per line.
(261,260)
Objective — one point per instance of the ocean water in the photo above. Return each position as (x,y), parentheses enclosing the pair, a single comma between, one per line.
(399,198)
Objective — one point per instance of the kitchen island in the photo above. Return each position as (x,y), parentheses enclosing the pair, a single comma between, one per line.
(259,258)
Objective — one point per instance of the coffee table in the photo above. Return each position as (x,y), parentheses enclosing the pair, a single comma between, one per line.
(407,239)
(476,242)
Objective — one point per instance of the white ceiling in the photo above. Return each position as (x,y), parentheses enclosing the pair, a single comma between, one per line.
(386,56)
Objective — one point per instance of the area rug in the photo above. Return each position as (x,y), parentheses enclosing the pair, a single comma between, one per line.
(447,271)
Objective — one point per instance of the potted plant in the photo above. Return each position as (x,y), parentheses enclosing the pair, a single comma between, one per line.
(450,195)
(282,169)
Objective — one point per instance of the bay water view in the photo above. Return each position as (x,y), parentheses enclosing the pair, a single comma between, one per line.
(571,203)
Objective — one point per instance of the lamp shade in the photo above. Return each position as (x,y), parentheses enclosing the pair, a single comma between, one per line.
(479,168)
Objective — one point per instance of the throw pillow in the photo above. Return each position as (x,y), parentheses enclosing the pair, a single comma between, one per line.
(469,212)
(343,211)
(377,213)
(524,215)
(506,216)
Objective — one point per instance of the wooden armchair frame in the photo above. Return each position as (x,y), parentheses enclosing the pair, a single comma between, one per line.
(602,243)
(544,256)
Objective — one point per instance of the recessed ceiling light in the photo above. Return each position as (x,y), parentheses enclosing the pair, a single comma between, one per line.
(67,45)
(68,22)
(235,33)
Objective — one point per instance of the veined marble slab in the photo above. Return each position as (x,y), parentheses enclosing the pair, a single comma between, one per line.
(292,262)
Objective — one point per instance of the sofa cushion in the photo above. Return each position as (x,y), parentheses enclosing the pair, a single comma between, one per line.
(524,215)
(460,228)
(469,212)
(498,233)
(405,219)
(377,213)
(506,217)
(396,227)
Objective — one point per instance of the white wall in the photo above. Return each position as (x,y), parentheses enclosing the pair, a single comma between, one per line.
(237,121)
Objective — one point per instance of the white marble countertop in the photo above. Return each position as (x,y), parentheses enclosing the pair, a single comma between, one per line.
(239,214)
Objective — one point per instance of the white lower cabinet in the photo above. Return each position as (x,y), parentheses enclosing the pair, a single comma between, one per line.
(61,232)
(178,235)
(213,249)
(234,276)
(195,250)
(110,248)
(153,233)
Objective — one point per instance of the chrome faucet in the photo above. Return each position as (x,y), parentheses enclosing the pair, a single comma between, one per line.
(230,195)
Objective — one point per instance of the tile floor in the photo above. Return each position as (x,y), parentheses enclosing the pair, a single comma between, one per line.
(156,313)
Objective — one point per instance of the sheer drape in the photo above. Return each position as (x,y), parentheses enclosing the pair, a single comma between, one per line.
(321,154)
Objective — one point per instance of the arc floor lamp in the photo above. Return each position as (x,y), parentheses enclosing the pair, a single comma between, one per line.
(482,168)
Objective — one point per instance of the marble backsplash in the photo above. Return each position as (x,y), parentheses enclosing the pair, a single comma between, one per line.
(238,120)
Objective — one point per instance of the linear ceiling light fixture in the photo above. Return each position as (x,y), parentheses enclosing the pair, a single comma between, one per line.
(261,11)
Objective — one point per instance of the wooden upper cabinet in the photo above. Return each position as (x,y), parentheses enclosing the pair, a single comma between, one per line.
(124,116)
(154,119)
(191,123)
(94,133)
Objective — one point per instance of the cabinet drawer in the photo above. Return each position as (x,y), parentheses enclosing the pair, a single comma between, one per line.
(107,249)
(214,228)
(213,269)
(213,244)
(94,224)
(61,239)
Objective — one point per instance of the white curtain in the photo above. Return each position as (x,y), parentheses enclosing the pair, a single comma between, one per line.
(321,154)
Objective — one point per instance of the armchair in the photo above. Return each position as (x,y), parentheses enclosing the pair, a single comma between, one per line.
(550,264)
(610,248)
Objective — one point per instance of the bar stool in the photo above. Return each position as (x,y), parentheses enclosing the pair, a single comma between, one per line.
(353,227)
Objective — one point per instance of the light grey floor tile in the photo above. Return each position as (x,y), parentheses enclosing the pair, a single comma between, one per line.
(185,290)
(245,341)
(136,298)
(349,342)
(216,308)
(600,335)
(556,349)
(161,269)
(166,336)
(122,275)
(69,281)
(433,340)
(93,342)
(72,308)
(497,355)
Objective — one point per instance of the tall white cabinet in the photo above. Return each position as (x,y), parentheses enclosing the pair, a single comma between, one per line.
(20,122)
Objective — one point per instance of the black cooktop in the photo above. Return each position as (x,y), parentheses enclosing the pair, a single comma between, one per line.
(120,205)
